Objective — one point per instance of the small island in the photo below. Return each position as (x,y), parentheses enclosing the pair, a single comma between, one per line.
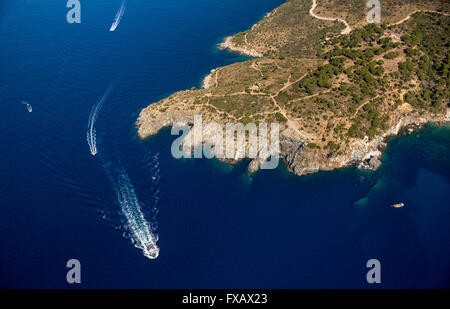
(338,95)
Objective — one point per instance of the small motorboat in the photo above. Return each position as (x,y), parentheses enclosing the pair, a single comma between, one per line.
(399,205)
(152,251)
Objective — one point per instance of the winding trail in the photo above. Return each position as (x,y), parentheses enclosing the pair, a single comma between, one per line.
(347,29)
(417,11)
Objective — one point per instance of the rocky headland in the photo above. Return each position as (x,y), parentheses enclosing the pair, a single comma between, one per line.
(337,95)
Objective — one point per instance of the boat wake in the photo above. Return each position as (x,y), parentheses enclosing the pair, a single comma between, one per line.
(118,16)
(29,107)
(91,133)
(152,173)
(136,219)
(137,227)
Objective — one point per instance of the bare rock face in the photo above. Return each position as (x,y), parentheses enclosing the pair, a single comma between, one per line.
(307,162)
(374,163)
(247,51)
(254,166)
(290,149)
(299,158)
(148,126)
(302,160)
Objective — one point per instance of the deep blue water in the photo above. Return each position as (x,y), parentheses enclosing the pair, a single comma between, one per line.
(217,227)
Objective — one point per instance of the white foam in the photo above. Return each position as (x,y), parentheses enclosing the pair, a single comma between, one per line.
(29,107)
(91,133)
(138,227)
(118,16)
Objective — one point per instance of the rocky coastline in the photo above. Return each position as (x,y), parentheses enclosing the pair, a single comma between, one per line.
(298,157)
(229,45)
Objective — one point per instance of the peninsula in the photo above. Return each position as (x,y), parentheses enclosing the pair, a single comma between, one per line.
(338,86)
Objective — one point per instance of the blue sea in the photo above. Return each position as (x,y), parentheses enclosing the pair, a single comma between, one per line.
(217,226)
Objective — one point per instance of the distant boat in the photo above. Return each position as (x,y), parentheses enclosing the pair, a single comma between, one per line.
(399,205)
(29,107)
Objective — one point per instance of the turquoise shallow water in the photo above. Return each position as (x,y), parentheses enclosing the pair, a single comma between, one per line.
(217,226)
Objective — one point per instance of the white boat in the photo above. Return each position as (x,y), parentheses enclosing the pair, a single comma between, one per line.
(151,251)
(29,107)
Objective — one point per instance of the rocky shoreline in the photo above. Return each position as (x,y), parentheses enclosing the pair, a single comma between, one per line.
(228,44)
(208,81)
(301,159)
(363,153)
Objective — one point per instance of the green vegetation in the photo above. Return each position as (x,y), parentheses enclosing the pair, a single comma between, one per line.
(428,62)
(391,55)
(313,146)
(353,58)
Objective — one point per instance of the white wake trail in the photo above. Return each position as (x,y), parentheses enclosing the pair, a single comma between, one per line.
(91,133)
(118,16)
(140,230)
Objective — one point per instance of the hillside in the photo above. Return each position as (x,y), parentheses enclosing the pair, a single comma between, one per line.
(338,97)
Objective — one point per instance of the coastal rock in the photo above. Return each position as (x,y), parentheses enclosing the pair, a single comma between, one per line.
(374,163)
(208,81)
(290,149)
(228,44)
(299,158)
(254,166)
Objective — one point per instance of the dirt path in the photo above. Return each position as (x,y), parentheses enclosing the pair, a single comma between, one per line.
(216,78)
(289,83)
(255,67)
(309,96)
(362,105)
(291,124)
(417,11)
(347,29)
(220,112)
(402,93)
